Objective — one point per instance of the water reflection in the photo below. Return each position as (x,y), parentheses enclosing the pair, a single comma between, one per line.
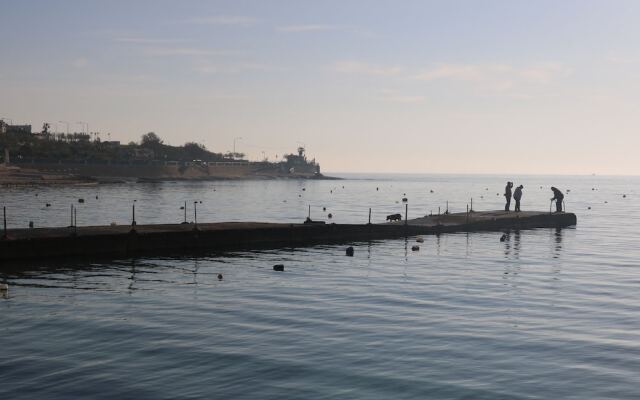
(558,242)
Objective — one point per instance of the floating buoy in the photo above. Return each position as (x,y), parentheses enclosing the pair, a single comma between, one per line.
(219,277)
(419,239)
(605,202)
(304,189)
(299,195)
(330,216)
(503,237)
(182,207)
(324,208)
(48,205)
(377,189)
(96,197)
(404,199)
(430,191)
(593,188)
(349,251)
(624,196)
(278,267)
(588,208)
(415,248)
(80,200)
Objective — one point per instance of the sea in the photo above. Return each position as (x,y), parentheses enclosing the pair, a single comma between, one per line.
(544,314)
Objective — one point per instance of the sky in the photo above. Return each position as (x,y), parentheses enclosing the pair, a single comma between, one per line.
(528,87)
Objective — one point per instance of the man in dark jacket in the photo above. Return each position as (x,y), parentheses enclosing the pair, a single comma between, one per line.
(507,194)
(558,197)
(517,195)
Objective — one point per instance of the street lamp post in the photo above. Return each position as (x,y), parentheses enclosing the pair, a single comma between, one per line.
(234,145)
(195,215)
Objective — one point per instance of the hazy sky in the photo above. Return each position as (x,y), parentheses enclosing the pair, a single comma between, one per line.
(378,86)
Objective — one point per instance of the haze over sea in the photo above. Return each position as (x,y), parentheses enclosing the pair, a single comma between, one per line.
(546,314)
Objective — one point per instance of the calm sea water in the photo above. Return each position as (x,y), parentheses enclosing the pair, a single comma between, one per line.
(544,315)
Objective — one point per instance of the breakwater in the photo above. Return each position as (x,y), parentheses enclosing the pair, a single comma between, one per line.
(125,241)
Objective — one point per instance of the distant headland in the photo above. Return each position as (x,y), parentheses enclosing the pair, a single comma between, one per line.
(45,157)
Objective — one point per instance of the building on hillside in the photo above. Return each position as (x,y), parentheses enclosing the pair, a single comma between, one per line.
(14,129)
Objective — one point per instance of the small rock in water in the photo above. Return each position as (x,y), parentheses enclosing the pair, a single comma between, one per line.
(503,237)
(415,248)
(349,251)
(219,277)
(419,239)
(278,267)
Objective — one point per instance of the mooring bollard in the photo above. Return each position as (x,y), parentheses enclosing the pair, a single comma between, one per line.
(406,214)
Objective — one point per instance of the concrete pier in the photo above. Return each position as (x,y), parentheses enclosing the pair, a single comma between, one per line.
(123,241)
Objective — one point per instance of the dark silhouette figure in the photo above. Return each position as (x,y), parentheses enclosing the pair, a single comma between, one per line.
(517,195)
(507,195)
(558,197)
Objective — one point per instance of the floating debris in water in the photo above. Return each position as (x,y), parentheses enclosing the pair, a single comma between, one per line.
(278,267)
(349,251)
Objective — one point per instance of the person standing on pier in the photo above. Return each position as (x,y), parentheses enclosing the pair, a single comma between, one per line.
(517,195)
(507,194)
(558,197)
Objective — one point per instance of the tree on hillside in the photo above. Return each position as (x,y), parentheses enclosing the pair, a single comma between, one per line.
(150,140)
